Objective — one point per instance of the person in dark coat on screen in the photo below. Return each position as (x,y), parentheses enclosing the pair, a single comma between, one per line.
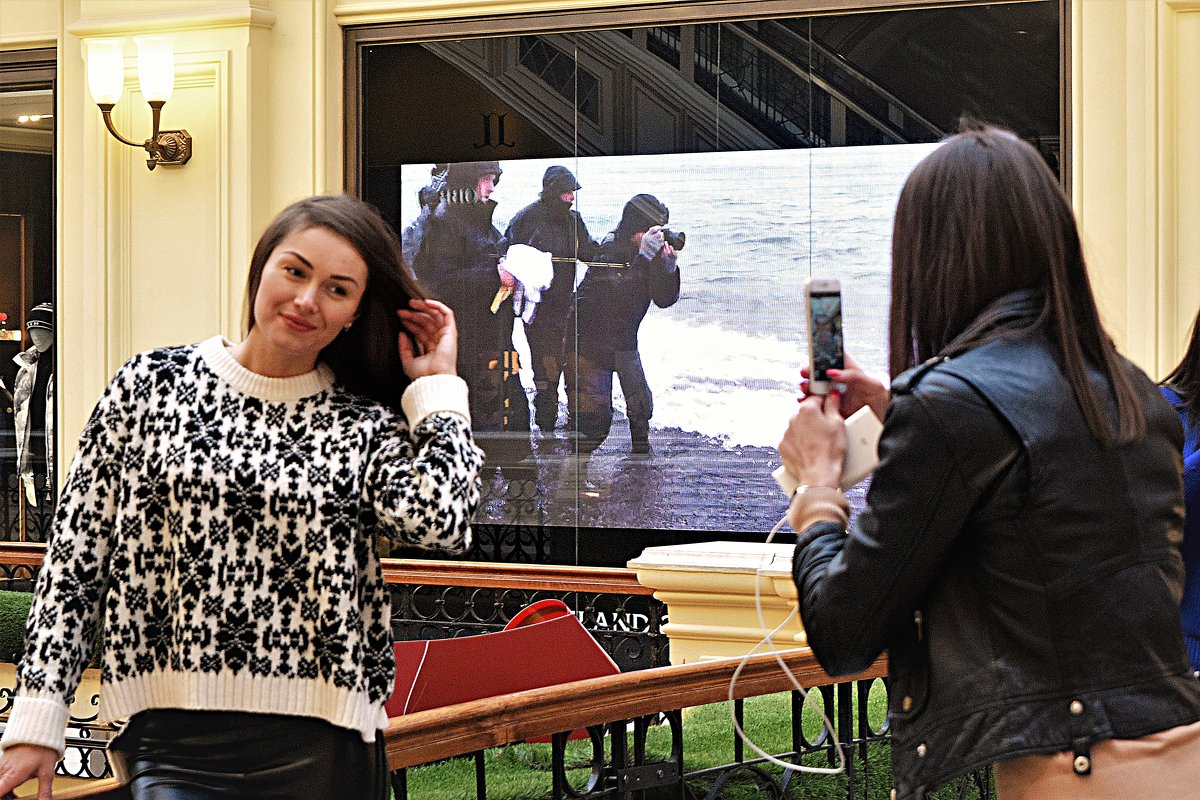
(460,262)
(610,304)
(551,225)
(428,198)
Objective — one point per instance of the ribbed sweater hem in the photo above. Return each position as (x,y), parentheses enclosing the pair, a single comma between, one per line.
(253,693)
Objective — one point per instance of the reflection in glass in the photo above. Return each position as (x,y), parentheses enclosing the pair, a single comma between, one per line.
(778,146)
(26,315)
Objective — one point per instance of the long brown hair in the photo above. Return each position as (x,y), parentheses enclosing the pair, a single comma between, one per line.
(981,217)
(365,358)
(1185,378)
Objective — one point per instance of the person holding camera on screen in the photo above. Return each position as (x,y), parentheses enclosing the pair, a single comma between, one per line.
(461,262)
(551,225)
(634,266)
(220,518)
(1018,553)
(429,197)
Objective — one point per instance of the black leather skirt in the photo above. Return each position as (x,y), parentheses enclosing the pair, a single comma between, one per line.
(196,755)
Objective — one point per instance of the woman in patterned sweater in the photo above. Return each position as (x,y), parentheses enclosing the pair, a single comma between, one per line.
(220,519)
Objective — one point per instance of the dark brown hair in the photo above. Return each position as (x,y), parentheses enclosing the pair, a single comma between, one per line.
(365,358)
(1185,378)
(981,217)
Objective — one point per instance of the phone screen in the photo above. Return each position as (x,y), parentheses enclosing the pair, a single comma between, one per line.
(825,331)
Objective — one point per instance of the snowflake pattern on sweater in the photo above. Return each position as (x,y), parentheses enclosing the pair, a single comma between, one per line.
(226,534)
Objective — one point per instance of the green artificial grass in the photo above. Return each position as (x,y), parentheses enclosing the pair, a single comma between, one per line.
(522,771)
(14,610)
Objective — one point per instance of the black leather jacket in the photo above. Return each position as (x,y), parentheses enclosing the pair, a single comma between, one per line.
(1025,579)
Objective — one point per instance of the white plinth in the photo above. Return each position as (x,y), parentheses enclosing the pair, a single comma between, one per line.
(709,591)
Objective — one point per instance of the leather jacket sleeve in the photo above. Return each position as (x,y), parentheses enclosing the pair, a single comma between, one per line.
(942,449)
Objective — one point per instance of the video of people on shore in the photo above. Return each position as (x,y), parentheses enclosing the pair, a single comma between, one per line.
(632,328)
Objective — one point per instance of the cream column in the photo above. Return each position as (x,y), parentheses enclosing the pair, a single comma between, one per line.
(714,592)
(148,259)
(152,258)
(1134,66)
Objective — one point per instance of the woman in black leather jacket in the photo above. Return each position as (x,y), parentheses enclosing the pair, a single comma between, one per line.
(1018,556)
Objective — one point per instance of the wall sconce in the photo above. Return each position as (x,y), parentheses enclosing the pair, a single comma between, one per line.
(156,74)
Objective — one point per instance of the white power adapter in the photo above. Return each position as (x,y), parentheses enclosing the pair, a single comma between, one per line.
(862,452)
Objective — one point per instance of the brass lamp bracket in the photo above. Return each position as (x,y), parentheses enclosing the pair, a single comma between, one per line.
(169,148)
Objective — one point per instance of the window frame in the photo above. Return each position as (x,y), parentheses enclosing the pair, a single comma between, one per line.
(37,69)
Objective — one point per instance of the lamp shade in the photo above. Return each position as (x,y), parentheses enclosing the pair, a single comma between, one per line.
(106,69)
(156,67)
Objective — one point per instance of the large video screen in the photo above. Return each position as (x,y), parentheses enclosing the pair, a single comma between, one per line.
(629,395)
(711,378)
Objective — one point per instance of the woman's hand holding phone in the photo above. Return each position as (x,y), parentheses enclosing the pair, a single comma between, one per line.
(860,389)
(813,447)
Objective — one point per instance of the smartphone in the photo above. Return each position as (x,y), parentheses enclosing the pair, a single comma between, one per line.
(823,304)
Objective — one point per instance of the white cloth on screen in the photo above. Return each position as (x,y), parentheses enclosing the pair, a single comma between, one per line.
(533,270)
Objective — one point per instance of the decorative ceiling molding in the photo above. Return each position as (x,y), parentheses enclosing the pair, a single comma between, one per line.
(230,17)
(382,12)
(26,41)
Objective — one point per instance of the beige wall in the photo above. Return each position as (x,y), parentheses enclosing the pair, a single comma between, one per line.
(154,258)
(1136,119)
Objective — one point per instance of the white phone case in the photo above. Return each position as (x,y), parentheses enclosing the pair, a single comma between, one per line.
(862,452)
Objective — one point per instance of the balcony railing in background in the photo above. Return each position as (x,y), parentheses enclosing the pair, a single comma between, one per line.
(618,711)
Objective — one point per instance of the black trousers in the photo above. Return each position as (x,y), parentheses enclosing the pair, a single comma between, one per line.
(589,395)
(547,337)
(198,755)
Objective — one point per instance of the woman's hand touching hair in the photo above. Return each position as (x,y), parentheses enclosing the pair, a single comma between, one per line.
(433,346)
(22,762)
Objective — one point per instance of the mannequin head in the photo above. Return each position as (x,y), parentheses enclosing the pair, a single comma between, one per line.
(40,325)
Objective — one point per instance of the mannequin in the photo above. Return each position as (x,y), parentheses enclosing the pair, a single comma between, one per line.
(33,399)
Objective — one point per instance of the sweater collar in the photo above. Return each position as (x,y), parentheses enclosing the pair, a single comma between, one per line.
(217,356)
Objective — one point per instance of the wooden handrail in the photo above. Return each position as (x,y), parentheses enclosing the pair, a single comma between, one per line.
(100,788)
(428,572)
(537,577)
(466,727)
(24,553)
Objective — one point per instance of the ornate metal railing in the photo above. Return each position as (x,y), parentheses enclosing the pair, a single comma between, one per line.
(431,599)
(438,599)
(86,739)
(20,521)
(619,712)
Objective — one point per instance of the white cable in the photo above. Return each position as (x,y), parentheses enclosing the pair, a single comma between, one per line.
(769,640)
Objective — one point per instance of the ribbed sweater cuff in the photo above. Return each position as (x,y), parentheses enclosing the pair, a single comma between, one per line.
(433,394)
(1193,648)
(37,720)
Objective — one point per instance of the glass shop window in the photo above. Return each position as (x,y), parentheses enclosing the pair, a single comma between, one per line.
(621,409)
(27,313)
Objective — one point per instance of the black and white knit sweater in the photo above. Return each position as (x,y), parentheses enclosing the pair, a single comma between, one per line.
(223,525)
